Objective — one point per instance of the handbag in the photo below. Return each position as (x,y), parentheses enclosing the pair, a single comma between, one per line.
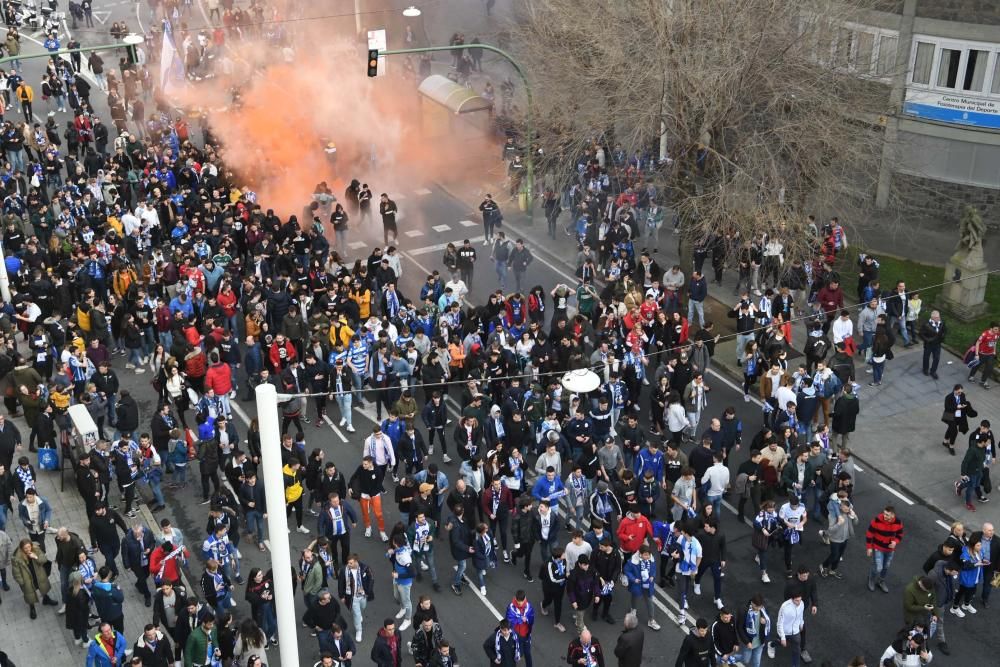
(995,582)
(759,541)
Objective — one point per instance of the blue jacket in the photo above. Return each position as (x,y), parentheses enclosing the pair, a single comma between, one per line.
(395,430)
(98,657)
(970,575)
(633,572)
(44,512)
(253,362)
(648,460)
(543,489)
(108,600)
(402,565)
(698,289)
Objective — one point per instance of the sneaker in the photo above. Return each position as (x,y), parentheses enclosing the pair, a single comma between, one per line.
(401,613)
(456,590)
(882,587)
(424,566)
(395,478)
(404,625)
(764,578)
(653,625)
(718,603)
(368,531)
(986,386)
(746,398)
(313,512)
(140,371)
(482,591)
(357,637)
(806,658)
(958,487)
(232,394)
(770,650)
(62,610)
(506,556)
(958,612)
(383,536)
(305,420)
(342,422)
(303,530)
(129,366)
(560,627)
(871,584)
(697,589)
(446,458)
(982,499)
(823,572)
(824,537)
(970,507)
(968,608)
(430,451)
(530,578)
(835,574)
(350,429)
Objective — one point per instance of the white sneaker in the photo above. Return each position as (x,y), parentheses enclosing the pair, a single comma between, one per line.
(129,366)
(303,530)
(653,624)
(447,459)
(385,538)
(62,610)
(430,451)
(405,624)
(718,603)
(342,422)
(766,579)
(969,608)
(482,591)
(350,429)
(697,589)
(424,566)
(958,612)
(401,613)
(140,371)
(232,393)
(770,650)
(357,637)
(368,531)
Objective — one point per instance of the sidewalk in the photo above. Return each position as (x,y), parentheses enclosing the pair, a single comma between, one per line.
(46,639)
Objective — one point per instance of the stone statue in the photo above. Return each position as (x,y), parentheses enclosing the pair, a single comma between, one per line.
(971,229)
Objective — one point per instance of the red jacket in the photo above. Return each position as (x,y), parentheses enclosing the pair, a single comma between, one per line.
(831,300)
(506,500)
(633,532)
(219,378)
(227,301)
(883,535)
(281,357)
(166,569)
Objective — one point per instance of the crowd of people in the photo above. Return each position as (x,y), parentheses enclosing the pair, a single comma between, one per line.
(151,255)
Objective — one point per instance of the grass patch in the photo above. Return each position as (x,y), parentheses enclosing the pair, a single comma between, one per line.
(920,277)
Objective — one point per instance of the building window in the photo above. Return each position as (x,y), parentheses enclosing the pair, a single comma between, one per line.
(948,68)
(922,63)
(886,55)
(995,87)
(975,70)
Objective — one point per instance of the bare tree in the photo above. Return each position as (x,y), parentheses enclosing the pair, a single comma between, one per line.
(753,109)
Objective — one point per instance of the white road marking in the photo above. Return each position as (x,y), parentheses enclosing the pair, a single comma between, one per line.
(343,438)
(423,192)
(398,197)
(943,525)
(427,250)
(482,598)
(858,468)
(896,493)
(413,233)
(101,19)
(468,223)
(441,228)
(355,245)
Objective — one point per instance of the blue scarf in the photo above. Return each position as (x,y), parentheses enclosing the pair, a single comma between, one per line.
(752,622)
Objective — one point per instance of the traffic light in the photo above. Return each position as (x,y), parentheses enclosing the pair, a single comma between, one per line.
(372,62)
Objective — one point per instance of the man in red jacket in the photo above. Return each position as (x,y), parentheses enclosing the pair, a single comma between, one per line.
(633,531)
(884,534)
(831,300)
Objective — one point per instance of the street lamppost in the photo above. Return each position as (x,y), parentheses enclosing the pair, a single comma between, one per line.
(277,522)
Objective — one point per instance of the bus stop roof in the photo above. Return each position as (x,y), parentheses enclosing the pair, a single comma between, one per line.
(455,98)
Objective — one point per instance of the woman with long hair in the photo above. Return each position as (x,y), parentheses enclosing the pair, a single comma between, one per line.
(250,640)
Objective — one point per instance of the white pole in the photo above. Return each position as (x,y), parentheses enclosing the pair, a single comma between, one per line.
(357,17)
(277,523)
(4,281)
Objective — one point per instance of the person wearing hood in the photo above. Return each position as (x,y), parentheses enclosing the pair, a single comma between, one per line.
(944,579)
(908,650)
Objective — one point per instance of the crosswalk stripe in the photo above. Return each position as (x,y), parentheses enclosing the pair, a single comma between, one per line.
(413,232)
(468,223)
(423,192)
(441,228)
(355,245)
(441,246)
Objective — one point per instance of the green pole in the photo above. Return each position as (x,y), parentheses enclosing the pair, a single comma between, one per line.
(530,161)
(60,52)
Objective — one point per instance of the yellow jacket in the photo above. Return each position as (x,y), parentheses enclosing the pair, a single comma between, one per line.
(340,332)
(83,319)
(25,93)
(363,298)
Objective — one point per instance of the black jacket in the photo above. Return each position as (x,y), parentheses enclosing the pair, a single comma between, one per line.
(628,650)
(696,651)
(128,414)
(382,654)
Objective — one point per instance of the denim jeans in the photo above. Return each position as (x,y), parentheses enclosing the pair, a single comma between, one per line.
(3,518)
(135,356)
(180,474)
(716,503)
(154,487)
(501,273)
(877,369)
(344,403)
(401,594)
(268,620)
(358,605)
(459,573)
(256,525)
(166,339)
(751,656)
(696,307)
(970,486)
(881,560)
(426,557)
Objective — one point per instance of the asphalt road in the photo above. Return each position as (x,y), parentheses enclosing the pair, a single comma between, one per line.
(847,610)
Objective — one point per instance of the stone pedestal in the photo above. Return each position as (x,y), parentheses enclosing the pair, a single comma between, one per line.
(966,298)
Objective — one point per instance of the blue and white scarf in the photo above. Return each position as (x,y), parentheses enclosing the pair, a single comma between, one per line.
(753,622)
